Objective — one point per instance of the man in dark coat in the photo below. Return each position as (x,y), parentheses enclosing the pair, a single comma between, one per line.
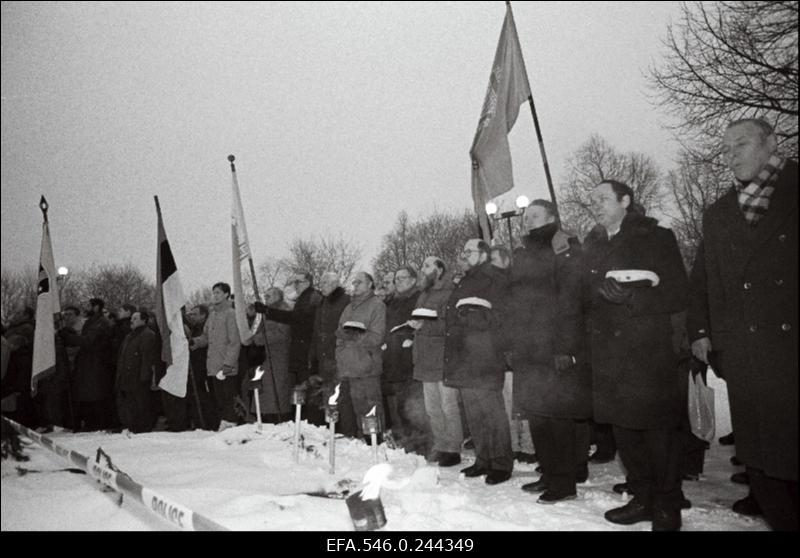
(473,362)
(636,388)
(93,383)
(747,311)
(301,322)
(323,351)
(397,380)
(552,384)
(135,367)
(17,381)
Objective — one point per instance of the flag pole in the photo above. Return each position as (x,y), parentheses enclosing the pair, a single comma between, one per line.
(539,135)
(44,206)
(231,159)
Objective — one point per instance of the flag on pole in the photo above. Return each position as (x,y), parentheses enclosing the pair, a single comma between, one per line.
(169,301)
(240,248)
(490,154)
(47,306)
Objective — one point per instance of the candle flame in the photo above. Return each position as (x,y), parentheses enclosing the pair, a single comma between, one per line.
(372,411)
(335,397)
(258,373)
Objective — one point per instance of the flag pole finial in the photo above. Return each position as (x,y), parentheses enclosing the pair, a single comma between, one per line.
(231,158)
(44,206)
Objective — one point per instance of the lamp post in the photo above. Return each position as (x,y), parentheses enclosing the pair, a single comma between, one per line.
(61,280)
(491,210)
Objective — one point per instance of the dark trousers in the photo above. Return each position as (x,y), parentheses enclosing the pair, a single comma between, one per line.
(485,411)
(365,393)
(176,410)
(777,498)
(554,440)
(93,415)
(201,407)
(651,459)
(602,435)
(561,447)
(224,393)
(133,409)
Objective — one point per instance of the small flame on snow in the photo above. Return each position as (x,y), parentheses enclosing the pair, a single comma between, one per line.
(258,373)
(373,479)
(335,397)
(372,411)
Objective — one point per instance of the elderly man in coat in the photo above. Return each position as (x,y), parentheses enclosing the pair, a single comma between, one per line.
(473,362)
(362,327)
(552,384)
(747,311)
(634,278)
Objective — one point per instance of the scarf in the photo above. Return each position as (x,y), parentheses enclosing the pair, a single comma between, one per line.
(754,198)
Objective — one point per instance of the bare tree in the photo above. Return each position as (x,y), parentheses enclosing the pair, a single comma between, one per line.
(316,256)
(695,185)
(440,234)
(730,60)
(201,295)
(597,160)
(17,289)
(118,284)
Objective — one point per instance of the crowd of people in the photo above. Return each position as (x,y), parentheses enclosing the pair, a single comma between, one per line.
(597,349)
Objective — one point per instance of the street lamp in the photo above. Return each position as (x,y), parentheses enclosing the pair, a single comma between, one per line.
(491,210)
(61,280)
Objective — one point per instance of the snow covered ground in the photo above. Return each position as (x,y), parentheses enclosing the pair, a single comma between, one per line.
(245,480)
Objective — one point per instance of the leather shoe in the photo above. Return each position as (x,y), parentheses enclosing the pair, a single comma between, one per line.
(535,487)
(449,459)
(747,506)
(496,476)
(686,504)
(735,461)
(728,440)
(666,520)
(620,488)
(630,513)
(474,471)
(740,478)
(553,496)
(598,458)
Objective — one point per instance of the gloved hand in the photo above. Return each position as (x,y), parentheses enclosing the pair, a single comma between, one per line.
(260,307)
(614,292)
(564,362)
(225,372)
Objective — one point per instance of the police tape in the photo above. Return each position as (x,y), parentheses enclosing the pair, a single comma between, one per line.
(175,514)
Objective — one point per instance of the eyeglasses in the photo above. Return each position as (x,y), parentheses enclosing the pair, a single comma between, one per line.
(296,281)
(399,277)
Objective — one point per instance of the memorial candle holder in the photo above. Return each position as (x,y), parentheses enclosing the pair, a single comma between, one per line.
(298,400)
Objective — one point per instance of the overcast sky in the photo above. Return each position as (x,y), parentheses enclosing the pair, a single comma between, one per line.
(340,115)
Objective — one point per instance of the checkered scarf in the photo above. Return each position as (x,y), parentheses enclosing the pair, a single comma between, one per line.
(754,198)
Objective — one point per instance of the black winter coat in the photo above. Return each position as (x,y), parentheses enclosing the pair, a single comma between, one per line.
(473,341)
(398,365)
(94,366)
(634,379)
(749,275)
(301,321)
(137,359)
(326,321)
(545,319)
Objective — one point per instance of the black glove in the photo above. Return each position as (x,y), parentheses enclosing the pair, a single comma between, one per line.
(260,307)
(613,291)
(564,362)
